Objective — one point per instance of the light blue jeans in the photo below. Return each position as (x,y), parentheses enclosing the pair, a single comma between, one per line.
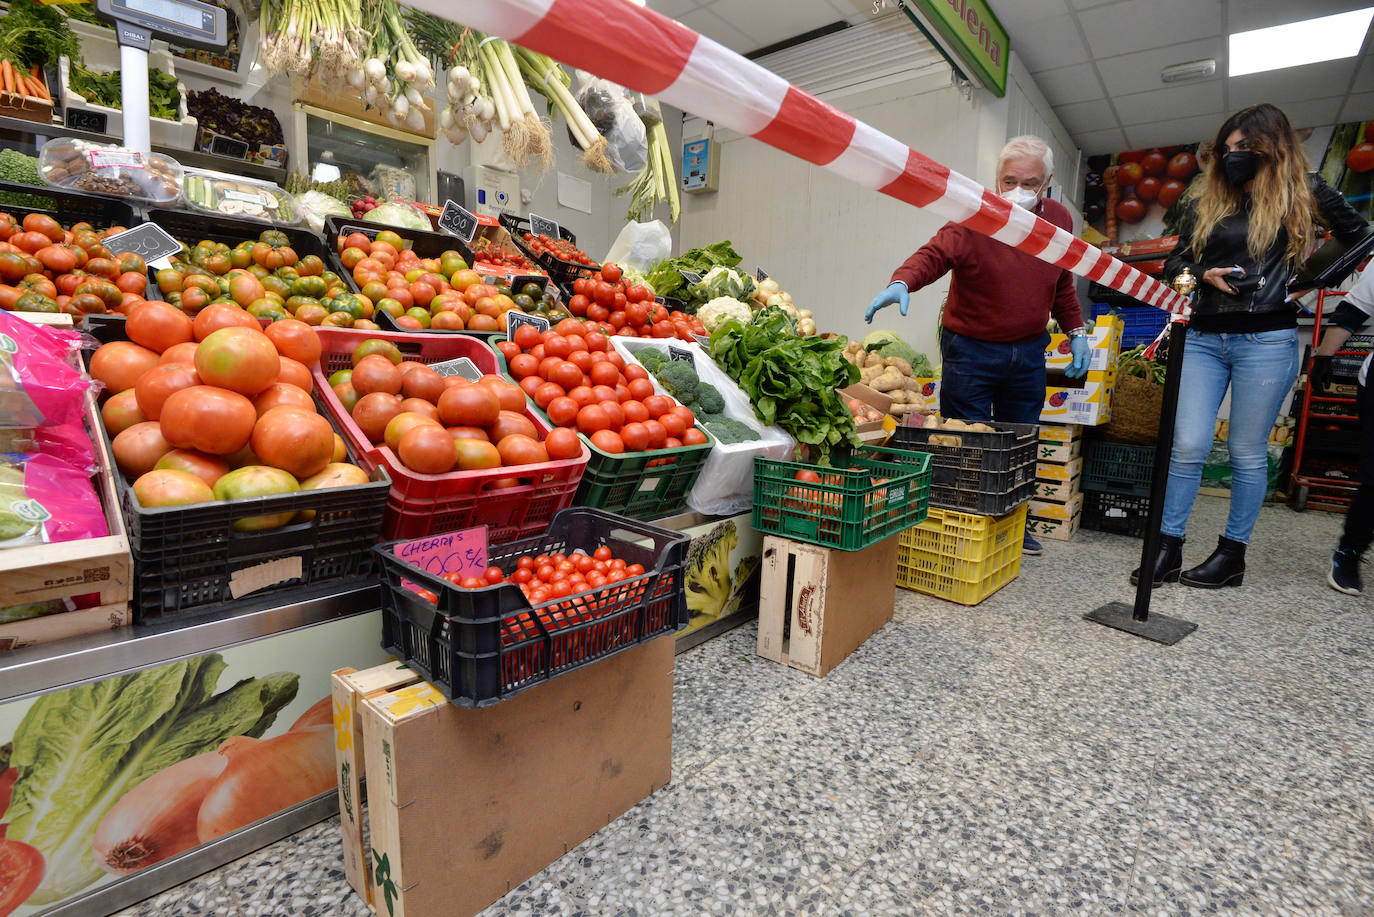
(1260,368)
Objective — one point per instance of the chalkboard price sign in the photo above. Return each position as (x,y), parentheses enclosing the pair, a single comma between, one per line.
(458,222)
(541,226)
(150,241)
(459,367)
(515,318)
(680,355)
(760,274)
(690,277)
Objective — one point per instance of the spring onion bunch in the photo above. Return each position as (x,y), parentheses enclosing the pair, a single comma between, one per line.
(470,112)
(658,182)
(395,76)
(554,83)
(301,37)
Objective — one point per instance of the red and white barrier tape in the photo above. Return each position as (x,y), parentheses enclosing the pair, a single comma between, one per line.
(648,52)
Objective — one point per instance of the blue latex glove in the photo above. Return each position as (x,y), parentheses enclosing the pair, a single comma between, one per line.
(1082,353)
(896,292)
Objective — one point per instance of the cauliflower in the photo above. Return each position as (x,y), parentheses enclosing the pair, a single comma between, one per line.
(715,312)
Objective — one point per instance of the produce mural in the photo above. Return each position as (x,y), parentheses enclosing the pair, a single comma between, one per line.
(101,780)
(1141,194)
(721,576)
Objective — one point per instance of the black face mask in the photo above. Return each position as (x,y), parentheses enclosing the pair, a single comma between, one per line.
(1240,166)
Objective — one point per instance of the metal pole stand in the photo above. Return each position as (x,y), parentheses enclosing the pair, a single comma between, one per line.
(1137,619)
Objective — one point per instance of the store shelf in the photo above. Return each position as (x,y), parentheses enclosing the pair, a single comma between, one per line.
(45,667)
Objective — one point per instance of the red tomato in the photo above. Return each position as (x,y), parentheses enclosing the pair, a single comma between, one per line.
(1170,192)
(1361,157)
(546,393)
(1130,210)
(659,405)
(635,411)
(1182,166)
(1130,173)
(1154,163)
(657,434)
(610,272)
(1147,189)
(562,411)
(607,441)
(592,418)
(614,412)
(563,444)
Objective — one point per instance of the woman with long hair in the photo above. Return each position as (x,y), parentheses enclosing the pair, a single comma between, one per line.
(1250,222)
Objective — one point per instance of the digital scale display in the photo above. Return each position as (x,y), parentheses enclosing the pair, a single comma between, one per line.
(188,22)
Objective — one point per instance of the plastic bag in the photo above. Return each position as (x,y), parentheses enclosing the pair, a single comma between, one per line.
(393,183)
(641,245)
(399,213)
(38,384)
(315,206)
(611,109)
(44,500)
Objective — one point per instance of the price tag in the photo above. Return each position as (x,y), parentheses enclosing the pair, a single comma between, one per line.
(681,355)
(262,199)
(458,222)
(463,552)
(459,367)
(690,277)
(83,120)
(760,274)
(123,159)
(150,241)
(228,146)
(515,318)
(541,226)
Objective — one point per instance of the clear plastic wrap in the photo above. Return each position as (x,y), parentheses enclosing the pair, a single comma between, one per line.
(100,168)
(220,193)
(611,109)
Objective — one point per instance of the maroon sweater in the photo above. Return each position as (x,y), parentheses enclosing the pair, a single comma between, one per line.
(997,293)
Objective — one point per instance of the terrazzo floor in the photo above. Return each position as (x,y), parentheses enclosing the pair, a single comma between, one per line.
(1005,759)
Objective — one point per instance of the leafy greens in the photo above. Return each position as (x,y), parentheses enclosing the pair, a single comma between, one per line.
(80,750)
(666,276)
(793,381)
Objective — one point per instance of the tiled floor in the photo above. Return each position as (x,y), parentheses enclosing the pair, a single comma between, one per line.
(1005,759)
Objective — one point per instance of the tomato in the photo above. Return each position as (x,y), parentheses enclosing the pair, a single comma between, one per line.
(510,396)
(156,385)
(121,412)
(180,353)
(562,411)
(21,872)
(281,393)
(1361,157)
(510,422)
(221,315)
(635,411)
(1147,189)
(566,374)
(1129,173)
(658,405)
(425,383)
(119,364)
(403,423)
(673,424)
(1154,163)
(807,476)
(158,325)
(1130,210)
(373,412)
(58,259)
(608,441)
(241,360)
(1182,166)
(171,487)
(1170,192)
(375,373)
(475,454)
(693,437)
(562,444)
(610,272)
(657,434)
(469,405)
(545,393)
(208,419)
(592,418)
(41,222)
(257,481)
(12,267)
(137,448)
(428,449)
(635,436)
(518,449)
(209,468)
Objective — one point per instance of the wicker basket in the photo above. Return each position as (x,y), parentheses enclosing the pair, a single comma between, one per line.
(1135,410)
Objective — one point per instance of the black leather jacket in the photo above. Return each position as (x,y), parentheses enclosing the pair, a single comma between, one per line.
(1227,246)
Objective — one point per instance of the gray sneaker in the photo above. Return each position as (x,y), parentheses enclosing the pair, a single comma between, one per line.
(1031,547)
(1345,571)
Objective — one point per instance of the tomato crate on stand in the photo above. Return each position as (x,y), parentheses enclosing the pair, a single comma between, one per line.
(962,557)
(1118,468)
(990,473)
(851,506)
(67,207)
(559,270)
(513,501)
(425,244)
(479,646)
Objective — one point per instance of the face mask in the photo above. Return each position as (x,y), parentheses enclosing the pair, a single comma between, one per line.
(1240,166)
(1024,198)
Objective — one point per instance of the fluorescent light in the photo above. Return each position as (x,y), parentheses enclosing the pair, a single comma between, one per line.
(1307,42)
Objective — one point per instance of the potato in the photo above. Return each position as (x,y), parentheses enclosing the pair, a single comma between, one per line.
(942,439)
(954,423)
(982,428)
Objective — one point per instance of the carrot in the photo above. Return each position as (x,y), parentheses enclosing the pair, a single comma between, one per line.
(7,76)
(40,89)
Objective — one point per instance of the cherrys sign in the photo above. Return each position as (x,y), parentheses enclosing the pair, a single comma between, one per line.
(969,29)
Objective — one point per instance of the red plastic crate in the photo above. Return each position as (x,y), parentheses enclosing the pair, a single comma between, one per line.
(423,504)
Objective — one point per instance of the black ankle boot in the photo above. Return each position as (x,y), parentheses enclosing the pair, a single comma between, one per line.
(1167,564)
(1226,567)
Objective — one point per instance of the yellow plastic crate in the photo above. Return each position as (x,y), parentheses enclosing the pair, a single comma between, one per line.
(961,557)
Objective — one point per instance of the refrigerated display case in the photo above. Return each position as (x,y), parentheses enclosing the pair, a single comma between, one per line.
(324,141)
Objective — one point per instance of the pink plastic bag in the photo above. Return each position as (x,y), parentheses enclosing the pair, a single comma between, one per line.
(45,500)
(38,383)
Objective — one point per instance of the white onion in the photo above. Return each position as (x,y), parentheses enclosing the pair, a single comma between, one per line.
(370,95)
(405,71)
(415,120)
(458,74)
(487,111)
(479,131)
(416,100)
(400,106)
(357,78)
(376,70)
(446,118)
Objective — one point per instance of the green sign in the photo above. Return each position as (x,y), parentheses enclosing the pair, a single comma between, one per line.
(972,31)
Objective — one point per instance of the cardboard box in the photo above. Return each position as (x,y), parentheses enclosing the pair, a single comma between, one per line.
(930,393)
(876,431)
(1081,401)
(348,688)
(838,599)
(1063,512)
(1058,491)
(1058,452)
(466,804)
(1104,339)
(1056,471)
(1060,433)
(1053,529)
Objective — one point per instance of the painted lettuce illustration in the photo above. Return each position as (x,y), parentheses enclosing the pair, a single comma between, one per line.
(78,752)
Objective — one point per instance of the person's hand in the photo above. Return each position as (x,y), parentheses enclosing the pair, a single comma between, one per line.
(1220,277)
(896,292)
(1318,375)
(1082,355)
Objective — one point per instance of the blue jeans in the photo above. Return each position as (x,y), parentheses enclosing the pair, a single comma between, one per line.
(1260,368)
(982,380)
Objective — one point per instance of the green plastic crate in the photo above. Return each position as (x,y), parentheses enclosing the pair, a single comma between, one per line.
(860,502)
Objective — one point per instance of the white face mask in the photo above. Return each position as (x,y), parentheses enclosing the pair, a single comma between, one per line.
(1024,198)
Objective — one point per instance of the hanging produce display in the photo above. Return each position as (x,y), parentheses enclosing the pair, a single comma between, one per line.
(395,76)
(307,37)
(657,183)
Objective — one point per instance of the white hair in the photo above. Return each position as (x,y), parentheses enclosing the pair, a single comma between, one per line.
(1027,146)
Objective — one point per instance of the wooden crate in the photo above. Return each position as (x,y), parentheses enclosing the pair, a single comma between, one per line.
(817,606)
(349,688)
(68,569)
(348,102)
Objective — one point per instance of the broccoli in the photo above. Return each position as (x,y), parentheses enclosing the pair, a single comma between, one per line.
(650,358)
(709,400)
(729,431)
(680,380)
(706,573)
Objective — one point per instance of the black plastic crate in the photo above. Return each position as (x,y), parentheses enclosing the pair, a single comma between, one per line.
(1118,468)
(988,473)
(1116,514)
(424,244)
(560,271)
(189,557)
(68,207)
(481,646)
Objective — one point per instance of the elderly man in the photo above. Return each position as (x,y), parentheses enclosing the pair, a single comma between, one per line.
(1000,300)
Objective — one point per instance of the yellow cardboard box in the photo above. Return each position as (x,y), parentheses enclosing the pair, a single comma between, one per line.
(1105,341)
(1059,471)
(1058,491)
(1063,512)
(1083,401)
(1060,433)
(1053,529)
(930,392)
(1058,452)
